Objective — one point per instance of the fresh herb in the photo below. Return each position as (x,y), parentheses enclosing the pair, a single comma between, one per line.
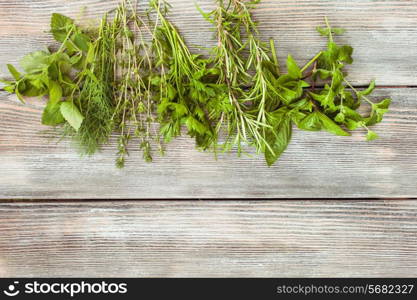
(134,70)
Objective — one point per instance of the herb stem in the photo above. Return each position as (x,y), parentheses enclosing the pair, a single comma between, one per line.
(274,55)
(357,92)
(311,62)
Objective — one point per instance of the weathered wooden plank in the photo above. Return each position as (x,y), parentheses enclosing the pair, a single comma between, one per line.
(384,33)
(214,239)
(316,165)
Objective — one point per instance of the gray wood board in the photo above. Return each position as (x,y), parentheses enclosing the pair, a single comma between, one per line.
(316,165)
(383,33)
(209,239)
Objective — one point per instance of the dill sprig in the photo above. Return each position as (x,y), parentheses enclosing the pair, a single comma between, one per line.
(95,97)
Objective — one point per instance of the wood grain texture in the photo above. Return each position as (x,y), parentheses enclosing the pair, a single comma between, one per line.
(209,239)
(316,165)
(384,33)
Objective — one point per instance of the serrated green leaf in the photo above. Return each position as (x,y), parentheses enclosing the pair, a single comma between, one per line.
(326,31)
(323,31)
(35,61)
(345,54)
(72,115)
(338,31)
(60,26)
(378,112)
(194,125)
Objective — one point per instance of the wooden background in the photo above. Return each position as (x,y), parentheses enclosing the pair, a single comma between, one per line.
(190,215)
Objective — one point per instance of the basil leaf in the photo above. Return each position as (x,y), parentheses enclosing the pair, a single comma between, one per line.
(279,141)
(331,126)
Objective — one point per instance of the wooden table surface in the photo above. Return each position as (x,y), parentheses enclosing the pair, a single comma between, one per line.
(333,206)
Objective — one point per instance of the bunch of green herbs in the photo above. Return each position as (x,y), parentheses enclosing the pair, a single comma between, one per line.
(134,70)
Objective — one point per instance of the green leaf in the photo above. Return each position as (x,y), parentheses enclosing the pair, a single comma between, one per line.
(369,90)
(72,115)
(82,42)
(378,112)
(171,92)
(279,141)
(323,31)
(338,31)
(60,26)
(326,31)
(52,114)
(35,62)
(16,75)
(55,92)
(180,109)
(323,74)
(345,54)
(10,88)
(331,126)
(195,126)
(371,136)
(90,54)
(328,59)
(340,117)
(206,16)
(293,69)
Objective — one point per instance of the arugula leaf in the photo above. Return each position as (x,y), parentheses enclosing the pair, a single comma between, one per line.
(72,115)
